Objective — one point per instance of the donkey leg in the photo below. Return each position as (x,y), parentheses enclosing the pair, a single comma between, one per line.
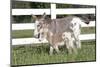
(68,47)
(78,44)
(73,48)
(57,49)
(51,50)
(76,37)
(77,41)
(67,40)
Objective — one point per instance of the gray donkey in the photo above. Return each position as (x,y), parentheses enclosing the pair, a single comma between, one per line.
(59,32)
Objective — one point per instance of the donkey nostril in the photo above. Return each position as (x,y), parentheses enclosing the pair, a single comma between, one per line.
(38,35)
(87,22)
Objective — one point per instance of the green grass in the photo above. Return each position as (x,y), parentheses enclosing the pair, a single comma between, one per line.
(24,55)
(29,33)
(88,30)
(22,33)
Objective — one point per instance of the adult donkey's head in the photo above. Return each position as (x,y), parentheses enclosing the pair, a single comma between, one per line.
(84,19)
(41,26)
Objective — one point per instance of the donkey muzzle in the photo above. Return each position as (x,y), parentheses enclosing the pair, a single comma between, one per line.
(87,22)
(37,35)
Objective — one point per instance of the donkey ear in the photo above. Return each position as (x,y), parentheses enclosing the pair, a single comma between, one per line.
(44,15)
(33,16)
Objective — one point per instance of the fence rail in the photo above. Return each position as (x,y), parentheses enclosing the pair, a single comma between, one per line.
(26,26)
(27,41)
(81,2)
(57,11)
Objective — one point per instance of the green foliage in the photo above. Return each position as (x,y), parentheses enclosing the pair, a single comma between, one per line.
(39,5)
(22,19)
(63,5)
(20,4)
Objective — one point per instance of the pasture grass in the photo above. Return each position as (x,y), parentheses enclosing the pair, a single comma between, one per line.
(88,30)
(30,33)
(27,55)
(22,33)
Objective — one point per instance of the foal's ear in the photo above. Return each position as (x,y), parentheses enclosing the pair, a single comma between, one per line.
(34,17)
(44,15)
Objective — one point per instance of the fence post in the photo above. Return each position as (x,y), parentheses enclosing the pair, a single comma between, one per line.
(53,11)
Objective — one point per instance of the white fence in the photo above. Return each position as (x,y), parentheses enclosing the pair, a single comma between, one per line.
(27,26)
(53,12)
(57,11)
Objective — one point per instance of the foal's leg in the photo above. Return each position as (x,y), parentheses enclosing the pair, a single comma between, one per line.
(67,42)
(76,33)
(77,40)
(67,39)
(73,47)
(57,49)
(51,50)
